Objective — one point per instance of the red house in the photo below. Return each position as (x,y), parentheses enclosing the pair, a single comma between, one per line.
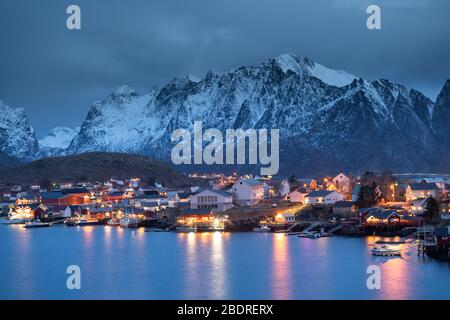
(66,197)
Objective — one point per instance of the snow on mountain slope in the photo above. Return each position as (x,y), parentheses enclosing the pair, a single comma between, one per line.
(352,123)
(59,137)
(338,78)
(121,123)
(17,137)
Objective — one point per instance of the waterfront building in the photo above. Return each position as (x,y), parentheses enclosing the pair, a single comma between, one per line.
(201,219)
(218,200)
(381,217)
(67,197)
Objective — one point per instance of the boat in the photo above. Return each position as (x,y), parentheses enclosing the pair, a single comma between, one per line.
(186,229)
(13,221)
(86,222)
(113,222)
(36,224)
(156,230)
(262,229)
(309,234)
(385,251)
(129,223)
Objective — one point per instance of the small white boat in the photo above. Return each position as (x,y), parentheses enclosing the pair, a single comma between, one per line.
(129,223)
(113,222)
(86,222)
(36,224)
(13,221)
(385,251)
(186,229)
(262,229)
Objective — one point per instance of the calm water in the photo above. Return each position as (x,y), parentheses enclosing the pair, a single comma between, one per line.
(127,264)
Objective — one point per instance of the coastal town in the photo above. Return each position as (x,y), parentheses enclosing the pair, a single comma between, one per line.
(410,206)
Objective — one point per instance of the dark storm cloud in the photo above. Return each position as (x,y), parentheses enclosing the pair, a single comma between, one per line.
(55,74)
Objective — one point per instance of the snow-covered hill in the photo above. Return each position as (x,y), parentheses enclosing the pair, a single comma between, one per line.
(57,140)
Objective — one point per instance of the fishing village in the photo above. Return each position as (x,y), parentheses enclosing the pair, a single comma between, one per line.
(413,208)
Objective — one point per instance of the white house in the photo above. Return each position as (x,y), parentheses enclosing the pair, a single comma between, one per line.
(297,196)
(283,218)
(284,188)
(342,183)
(219,200)
(323,197)
(421,190)
(248,192)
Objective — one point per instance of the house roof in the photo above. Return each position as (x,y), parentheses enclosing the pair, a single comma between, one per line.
(219,192)
(28,197)
(184,195)
(423,186)
(442,231)
(33,206)
(116,194)
(318,193)
(303,181)
(343,204)
(382,214)
(150,203)
(52,195)
(252,182)
(74,190)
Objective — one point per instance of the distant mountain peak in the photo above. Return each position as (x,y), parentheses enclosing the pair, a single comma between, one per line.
(305,65)
(124,91)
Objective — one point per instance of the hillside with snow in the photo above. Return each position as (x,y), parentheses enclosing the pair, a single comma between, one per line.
(57,140)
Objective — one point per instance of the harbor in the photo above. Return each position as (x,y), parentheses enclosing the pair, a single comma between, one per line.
(120,263)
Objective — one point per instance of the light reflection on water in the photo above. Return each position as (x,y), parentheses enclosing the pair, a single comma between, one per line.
(120,264)
(281,277)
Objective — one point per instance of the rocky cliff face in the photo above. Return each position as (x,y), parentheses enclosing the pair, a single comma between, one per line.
(17,137)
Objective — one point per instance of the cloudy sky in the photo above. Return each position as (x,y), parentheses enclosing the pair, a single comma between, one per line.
(55,74)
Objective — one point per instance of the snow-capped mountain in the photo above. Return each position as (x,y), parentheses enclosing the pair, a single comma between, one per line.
(17,137)
(329,120)
(57,140)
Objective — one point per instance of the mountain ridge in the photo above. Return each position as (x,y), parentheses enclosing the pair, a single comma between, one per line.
(352,123)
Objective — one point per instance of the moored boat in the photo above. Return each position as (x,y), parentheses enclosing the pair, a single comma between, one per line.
(263,228)
(113,222)
(86,222)
(129,223)
(385,251)
(36,224)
